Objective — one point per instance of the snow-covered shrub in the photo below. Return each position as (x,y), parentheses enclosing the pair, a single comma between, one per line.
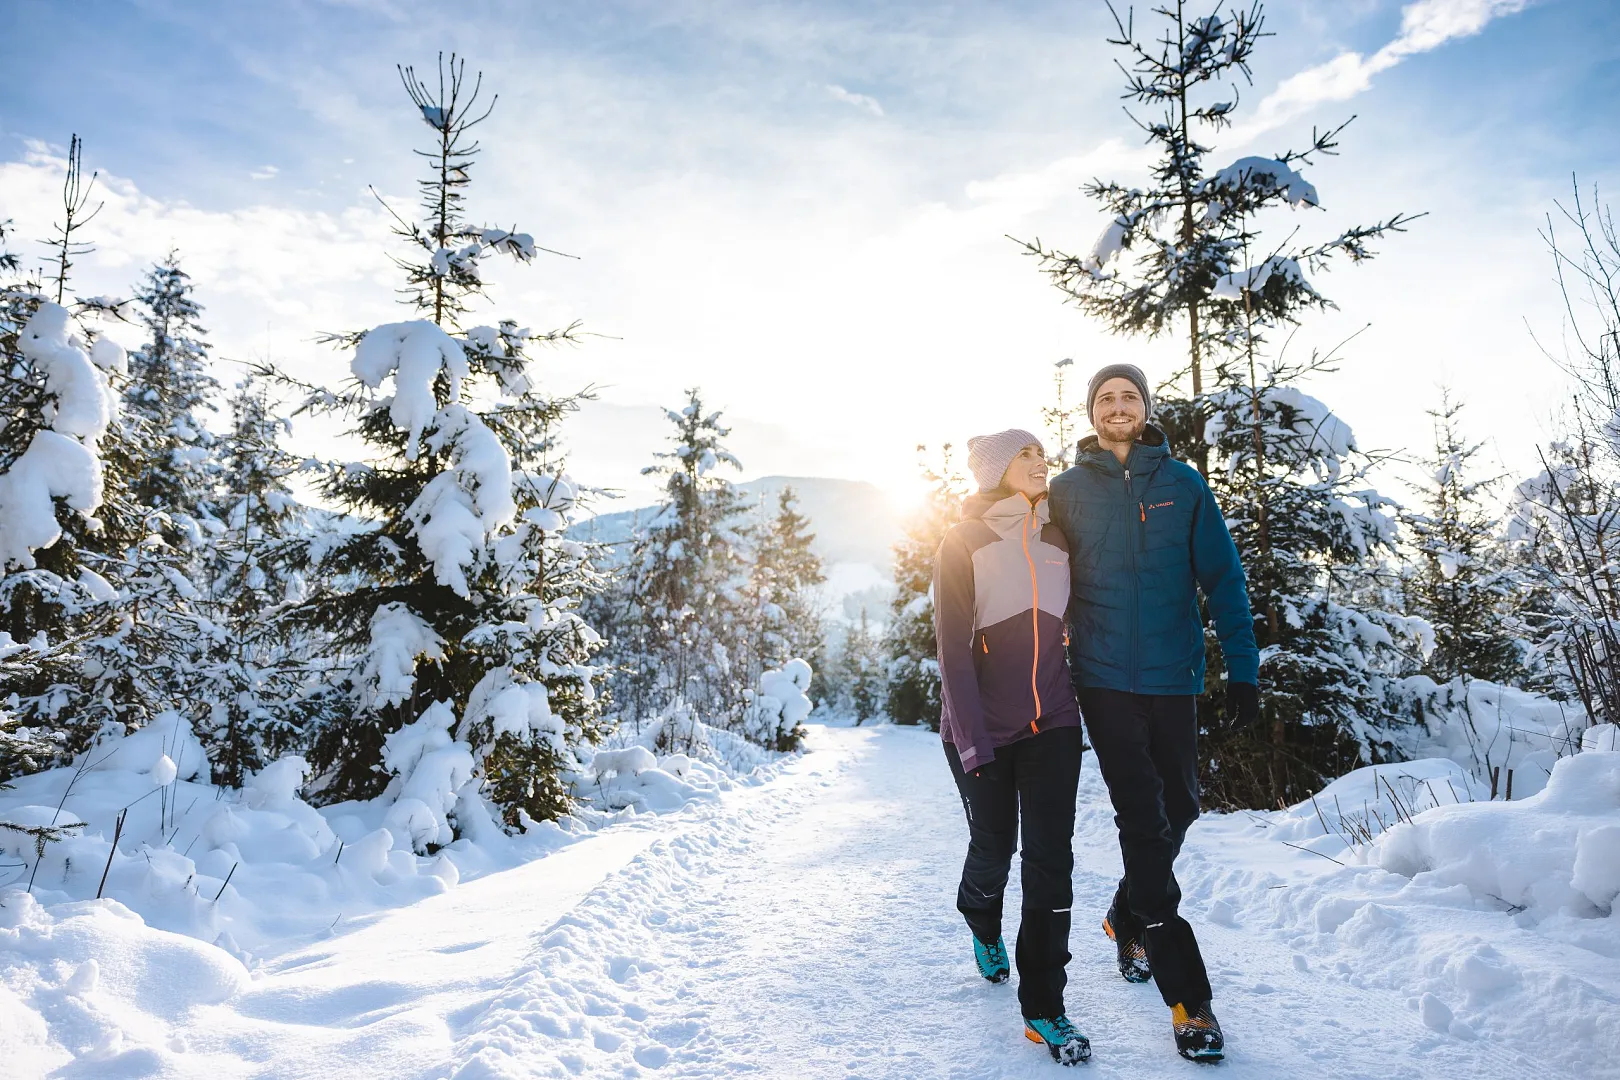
(431,768)
(634,776)
(777,708)
(1486,727)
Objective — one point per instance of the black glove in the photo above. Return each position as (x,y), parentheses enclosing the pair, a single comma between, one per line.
(1242,705)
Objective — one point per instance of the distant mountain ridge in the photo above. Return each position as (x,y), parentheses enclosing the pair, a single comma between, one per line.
(853,521)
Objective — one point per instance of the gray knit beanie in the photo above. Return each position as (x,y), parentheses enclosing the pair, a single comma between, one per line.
(989,455)
(1120,371)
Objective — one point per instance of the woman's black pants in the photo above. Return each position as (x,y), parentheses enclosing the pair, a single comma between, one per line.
(1035,780)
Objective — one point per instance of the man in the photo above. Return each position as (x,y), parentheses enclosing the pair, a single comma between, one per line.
(1144,536)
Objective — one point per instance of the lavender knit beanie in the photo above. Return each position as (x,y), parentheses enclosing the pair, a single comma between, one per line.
(989,455)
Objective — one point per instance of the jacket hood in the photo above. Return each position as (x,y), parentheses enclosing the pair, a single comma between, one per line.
(1003,512)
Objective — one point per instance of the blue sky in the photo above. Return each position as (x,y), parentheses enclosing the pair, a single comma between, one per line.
(802,208)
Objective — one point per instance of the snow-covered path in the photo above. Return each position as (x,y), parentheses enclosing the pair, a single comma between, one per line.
(813,935)
(804,928)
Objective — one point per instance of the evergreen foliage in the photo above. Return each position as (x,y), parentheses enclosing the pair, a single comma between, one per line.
(452,591)
(256,671)
(169,386)
(1290,479)
(859,672)
(1060,418)
(784,578)
(912,677)
(690,624)
(1461,582)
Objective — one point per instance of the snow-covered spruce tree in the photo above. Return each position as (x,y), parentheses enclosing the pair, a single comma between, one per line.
(1294,489)
(85,580)
(169,388)
(256,673)
(457,598)
(1178,248)
(1566,519)
(1312,532)
(1187,246)
(56,406)
(784,577)
(858,672)
(1060,417)
(1169,244)
(1460,580)
(688,632)
(912,676)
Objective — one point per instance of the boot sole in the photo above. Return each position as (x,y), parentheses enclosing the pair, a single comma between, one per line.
(1080,1055)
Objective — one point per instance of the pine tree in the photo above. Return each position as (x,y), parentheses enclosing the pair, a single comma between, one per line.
(1289,479)
(1186,228)
(85,583)
(458,602)
(169,387)
(912,675)
(859,671)
(1461,582)
(254,673)
(784,578)
(1060,418)
(688,630)
(1180,246)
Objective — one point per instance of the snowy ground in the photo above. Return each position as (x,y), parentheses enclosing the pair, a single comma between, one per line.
(804,928)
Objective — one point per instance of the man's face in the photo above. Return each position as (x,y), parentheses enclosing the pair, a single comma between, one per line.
(1118,412)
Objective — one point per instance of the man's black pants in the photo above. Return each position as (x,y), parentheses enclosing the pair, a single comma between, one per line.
(1035,779)
(1147,748)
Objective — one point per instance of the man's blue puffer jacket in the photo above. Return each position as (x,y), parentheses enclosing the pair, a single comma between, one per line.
(1143,538)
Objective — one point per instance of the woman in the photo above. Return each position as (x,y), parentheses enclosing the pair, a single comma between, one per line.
(1010,724)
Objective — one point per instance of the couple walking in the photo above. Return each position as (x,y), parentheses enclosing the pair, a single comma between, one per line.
(1104,566)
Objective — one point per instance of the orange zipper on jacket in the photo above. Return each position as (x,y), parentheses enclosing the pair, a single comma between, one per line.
(1034,618)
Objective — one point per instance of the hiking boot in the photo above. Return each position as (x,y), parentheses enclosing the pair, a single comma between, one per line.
(992,959)
(1198,1033)
(1131,954)
(1061,1038)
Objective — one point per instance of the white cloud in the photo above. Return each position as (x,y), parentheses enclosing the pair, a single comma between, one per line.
(264,172)
(1425,25)
(860,101)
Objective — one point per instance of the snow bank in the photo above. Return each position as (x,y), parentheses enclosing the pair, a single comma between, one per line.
(246,870)
(91,986)
(1496,920)
(1556,852)
(1488,728)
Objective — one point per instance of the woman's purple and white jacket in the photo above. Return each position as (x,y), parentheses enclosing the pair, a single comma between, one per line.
(1001,588)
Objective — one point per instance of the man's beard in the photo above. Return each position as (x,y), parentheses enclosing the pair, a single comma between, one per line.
(1108,430)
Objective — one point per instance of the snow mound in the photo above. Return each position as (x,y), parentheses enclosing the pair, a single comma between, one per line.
(1556,852)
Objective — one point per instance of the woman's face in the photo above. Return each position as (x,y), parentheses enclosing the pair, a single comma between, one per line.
(1027,473)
